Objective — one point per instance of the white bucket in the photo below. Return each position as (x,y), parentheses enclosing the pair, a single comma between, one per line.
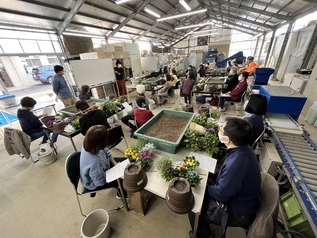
(135,81)
(47,155)
(96,225)
(152,106)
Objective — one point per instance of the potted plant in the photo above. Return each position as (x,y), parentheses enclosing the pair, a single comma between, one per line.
(141,153)
(110,108)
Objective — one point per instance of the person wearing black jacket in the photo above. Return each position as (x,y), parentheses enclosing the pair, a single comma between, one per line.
(30,123)
(119,72)
(90,116)
(231,81)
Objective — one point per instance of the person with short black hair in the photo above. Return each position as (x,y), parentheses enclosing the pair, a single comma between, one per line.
(96,159)
(142,114)
(162,94)
(238,182)
(231,81)
(85,92)
(60,87)
(236,94)
(119,72)
(255,109)
(30,123)
(90,116)
(201,71)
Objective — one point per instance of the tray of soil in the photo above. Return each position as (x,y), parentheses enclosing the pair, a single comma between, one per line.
(71,110)
(166,129)
(152,81)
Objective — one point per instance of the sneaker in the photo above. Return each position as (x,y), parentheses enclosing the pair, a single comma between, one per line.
(223,109)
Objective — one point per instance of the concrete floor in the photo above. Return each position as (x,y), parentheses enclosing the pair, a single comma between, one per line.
(39,201)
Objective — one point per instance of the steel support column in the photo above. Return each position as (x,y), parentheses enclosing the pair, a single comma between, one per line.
(270,48)
(310,49)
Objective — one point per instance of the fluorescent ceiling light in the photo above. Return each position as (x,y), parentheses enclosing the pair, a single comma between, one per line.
(185,5)
(151,12)
(204,35)
(204,31)
(192,26)
(121,1)
(181,15)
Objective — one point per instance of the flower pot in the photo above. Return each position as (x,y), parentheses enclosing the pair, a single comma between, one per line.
(134,179)
(203,109)
(58,127)
(179,196)
(45,120)
(189,108)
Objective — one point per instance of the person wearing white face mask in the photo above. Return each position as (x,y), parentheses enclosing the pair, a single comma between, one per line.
(236,94)
(238,182)
(119,72)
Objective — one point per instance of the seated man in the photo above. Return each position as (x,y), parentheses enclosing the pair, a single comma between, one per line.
(251,65)
(238,182)
(30,123)
(90,116)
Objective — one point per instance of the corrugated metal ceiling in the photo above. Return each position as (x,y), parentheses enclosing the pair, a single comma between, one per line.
(130,21)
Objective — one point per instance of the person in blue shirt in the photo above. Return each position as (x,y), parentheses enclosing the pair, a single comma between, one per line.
(60,87)
(85,93)
(96,159)
(238,182)
(30,123)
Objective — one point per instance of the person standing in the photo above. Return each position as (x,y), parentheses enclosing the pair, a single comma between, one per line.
(119,72)
(186,89)
(60,87)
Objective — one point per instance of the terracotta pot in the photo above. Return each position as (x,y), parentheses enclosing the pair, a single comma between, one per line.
(203,109)
(58,127)
(179,196)
(135,178)
(44,120)
(189,108)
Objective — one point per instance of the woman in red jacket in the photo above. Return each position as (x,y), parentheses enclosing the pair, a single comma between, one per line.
(141,114)
(236,94)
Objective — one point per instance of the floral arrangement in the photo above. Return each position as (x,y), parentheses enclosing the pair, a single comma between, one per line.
(121,99)
(50,123)
(74,121)
(170,169)
(141,153)
(207,142)
(110,108)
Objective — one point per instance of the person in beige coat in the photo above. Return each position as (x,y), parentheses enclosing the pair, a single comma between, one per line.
(17,142)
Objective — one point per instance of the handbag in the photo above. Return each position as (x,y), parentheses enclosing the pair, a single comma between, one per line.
(217,212)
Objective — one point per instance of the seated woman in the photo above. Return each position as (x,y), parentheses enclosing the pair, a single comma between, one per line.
(187,86)
(30,123)
(95,159)
(232,80)
(85,93)
(255,109)
(236,94)
(141,114)
(140,89)
(90,116)
(163,93)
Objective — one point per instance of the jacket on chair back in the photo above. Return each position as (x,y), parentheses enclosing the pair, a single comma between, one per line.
(17,142)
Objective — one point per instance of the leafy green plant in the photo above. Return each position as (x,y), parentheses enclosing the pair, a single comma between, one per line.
(110,108)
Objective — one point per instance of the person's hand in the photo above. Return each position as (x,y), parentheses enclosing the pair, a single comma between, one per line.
(210,182)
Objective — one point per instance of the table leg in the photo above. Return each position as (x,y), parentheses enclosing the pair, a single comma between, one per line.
(71,139)
(123,196)
(195,224)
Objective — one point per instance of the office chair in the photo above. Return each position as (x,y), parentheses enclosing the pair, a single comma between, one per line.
(115,137)
(239,105)
(72,169)
(257,139)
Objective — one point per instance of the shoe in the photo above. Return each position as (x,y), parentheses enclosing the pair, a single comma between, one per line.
(164,102)
(223,109)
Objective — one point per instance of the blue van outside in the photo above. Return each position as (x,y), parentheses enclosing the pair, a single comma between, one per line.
(44,74)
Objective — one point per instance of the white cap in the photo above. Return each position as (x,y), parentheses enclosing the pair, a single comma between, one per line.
(140,89)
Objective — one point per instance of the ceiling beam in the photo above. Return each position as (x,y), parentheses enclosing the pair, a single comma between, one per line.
(130,17)
(262,25)
(250,9)
(308,9)
(70,16)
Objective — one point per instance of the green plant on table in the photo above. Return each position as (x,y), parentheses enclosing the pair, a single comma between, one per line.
(110,108)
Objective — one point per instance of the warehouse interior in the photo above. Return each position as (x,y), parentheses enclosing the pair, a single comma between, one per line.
(37,200)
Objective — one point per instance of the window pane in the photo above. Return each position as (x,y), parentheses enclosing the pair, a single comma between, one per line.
(57,47)
(46,46)
(53,37)
(10,46)
(30,46)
